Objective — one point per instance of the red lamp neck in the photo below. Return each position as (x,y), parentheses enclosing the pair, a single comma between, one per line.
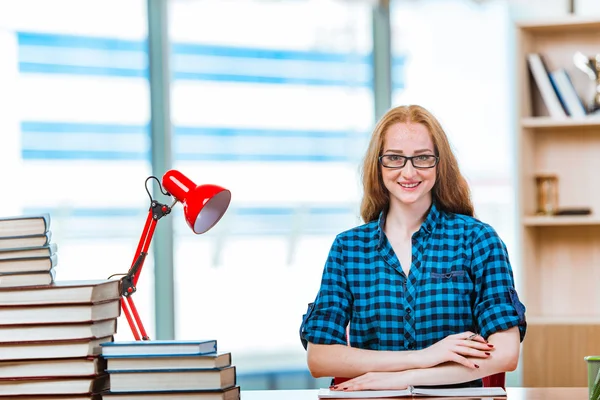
(177,184)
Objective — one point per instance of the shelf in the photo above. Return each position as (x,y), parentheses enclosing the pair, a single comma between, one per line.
(551,123)
(568,24)
(563,220)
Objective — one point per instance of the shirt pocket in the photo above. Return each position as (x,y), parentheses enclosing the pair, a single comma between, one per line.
(451,282)
(447,298)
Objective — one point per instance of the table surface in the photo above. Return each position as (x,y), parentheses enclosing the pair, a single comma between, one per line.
(513,393)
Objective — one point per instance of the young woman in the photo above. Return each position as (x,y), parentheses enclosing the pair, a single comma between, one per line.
(423,291)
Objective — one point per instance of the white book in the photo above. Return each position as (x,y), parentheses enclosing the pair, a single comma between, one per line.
(46,350)
(53,332)
(542,80)
(413,391)
(59,314)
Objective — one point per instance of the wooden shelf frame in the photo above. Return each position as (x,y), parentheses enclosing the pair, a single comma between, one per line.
(548,123)
(562,220)
(560,255)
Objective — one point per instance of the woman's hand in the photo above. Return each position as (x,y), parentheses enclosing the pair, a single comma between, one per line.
(456,348)
(374,381)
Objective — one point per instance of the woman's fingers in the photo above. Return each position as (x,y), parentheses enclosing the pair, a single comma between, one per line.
(474,337)
(471,352)
(359,383)
(457,358)
(475,345)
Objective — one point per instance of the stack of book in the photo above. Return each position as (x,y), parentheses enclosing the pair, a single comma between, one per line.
(50,337)
(27,255)
(169,369)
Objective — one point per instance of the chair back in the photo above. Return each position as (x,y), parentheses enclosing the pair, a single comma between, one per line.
(496,380)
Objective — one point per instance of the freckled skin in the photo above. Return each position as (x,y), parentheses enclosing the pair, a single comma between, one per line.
(409,139)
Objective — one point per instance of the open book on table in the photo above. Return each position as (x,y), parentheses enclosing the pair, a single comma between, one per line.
(414,392)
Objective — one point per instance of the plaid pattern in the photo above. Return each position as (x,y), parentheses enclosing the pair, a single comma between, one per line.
(460,279)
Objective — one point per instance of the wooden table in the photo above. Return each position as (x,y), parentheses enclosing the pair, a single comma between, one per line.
(576,393)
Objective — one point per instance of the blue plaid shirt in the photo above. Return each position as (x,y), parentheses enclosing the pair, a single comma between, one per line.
(460,280)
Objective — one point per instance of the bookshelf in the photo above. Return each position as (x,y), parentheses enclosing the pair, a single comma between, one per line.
(560,256)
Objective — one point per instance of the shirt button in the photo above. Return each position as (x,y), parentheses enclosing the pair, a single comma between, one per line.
(408,310)
(411,346)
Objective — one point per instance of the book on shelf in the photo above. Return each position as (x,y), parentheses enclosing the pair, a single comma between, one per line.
(59,314)
(53,332)
(413,391)
(71,367)
(30,264)
(17,242)
(28,252)
(62,292)
(24,225)
(567,94)
(159,347)
(173,380)
(541,76)
(25,279)
(232,393)
(51,349)
(132,363)
(46,386)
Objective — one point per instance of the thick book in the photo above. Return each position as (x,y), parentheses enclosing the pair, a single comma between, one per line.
(28,252)
(17,242)
(27,264)
(54,332)
(541,76)
(62,292)
(46,350)
(148,363)
(232,393)
(44,386)
(413,392)
(159,347)
(55,368)
(55,314)
(24,225)
(173,380)
(27,279)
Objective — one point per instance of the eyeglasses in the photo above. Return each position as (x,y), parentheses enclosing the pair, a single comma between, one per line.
(397,161)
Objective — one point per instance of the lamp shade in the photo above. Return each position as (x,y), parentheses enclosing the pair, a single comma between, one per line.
(203,205)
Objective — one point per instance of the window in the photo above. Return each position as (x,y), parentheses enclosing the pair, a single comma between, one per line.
(465,80)
(280,115)
(75,121)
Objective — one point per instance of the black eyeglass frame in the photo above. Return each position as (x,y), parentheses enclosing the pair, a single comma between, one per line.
(406,158)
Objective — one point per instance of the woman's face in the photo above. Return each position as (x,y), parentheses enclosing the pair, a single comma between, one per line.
(409,185)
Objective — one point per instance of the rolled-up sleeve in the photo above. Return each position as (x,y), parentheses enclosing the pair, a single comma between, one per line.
(326,319)
(497,306)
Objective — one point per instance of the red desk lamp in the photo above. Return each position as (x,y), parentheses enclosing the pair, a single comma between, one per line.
(203,207)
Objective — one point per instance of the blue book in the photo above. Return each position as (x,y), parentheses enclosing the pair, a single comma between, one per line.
(150,348)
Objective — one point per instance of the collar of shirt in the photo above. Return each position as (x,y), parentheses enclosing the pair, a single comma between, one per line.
(426,227)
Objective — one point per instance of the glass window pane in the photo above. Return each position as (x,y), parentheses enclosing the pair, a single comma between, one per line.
(75,123)
(466,81)
(272,100)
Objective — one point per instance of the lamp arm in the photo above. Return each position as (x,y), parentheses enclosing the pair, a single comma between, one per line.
(129,280)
